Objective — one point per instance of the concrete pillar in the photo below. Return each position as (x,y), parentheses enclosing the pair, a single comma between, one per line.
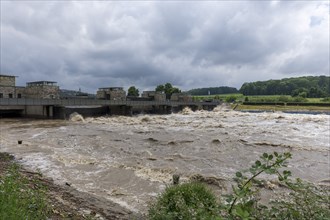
(128,110)
(51,111)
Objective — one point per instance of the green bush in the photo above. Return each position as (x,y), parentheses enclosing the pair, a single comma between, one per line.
(326,99)
(300,99)
(21,198)
(186,201)
(283,99)
(305,201)
(301,200)
(231,98)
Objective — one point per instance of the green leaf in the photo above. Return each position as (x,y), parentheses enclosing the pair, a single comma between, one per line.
(270,171)
(241,212)
(239,174)
(253,171)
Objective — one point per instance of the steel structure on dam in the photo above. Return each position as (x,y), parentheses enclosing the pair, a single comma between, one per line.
(61,108)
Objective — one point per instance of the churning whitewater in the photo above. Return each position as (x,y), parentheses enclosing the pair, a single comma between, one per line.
(129,160)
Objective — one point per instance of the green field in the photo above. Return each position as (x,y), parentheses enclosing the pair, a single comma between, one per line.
(237,100)
(260,98)
(217,97)
(274,108)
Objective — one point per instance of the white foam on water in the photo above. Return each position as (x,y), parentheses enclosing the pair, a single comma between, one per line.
(154,147)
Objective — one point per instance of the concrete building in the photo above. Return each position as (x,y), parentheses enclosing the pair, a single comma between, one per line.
(8,88)
(154,96)
(42,90)
(7,80)
(181,97)
(111,93)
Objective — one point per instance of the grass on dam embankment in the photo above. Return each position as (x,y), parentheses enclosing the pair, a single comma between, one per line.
(241,107)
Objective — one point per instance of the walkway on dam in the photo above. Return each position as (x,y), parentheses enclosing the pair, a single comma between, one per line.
(95,102)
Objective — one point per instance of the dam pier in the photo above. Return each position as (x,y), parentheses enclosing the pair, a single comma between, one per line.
(62,108)
(45,99)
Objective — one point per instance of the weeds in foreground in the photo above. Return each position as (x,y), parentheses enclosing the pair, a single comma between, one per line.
(301,201)
(186,201)
(21,198)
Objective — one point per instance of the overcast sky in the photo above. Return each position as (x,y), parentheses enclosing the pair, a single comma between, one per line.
(88,45)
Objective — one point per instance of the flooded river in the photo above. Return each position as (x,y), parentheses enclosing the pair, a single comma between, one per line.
(129,160)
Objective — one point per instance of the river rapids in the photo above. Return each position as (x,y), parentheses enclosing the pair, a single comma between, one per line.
(129,160)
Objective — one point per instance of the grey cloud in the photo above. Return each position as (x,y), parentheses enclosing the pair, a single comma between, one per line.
(314,21)
(190,44)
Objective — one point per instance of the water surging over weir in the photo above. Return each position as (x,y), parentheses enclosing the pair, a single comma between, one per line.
(130,159)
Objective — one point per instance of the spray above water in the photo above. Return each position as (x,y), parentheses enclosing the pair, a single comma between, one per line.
(76,117)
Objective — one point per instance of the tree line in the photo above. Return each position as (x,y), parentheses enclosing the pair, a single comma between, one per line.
(306,86)
(167,89)
(213,90)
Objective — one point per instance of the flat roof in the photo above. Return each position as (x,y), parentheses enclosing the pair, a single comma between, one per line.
(42,82)
(7,75)
(112,88)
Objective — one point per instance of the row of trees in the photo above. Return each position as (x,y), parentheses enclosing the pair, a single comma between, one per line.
(213,90)
(132,91)
(167,88)
(307,86)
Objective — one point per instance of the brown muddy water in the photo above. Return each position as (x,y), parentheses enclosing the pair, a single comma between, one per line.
(129,160)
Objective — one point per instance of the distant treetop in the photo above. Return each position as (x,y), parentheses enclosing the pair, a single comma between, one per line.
(213,90)
(168,89)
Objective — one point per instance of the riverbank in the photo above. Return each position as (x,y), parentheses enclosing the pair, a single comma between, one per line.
(283,108)
(65,202)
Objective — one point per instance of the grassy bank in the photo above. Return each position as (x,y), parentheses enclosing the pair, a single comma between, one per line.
(261,98)
(20,196)
(28,195)
(222,97)
(241,107)
(288,102)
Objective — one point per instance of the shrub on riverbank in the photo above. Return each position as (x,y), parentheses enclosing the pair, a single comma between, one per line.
(186,201)
(301,201)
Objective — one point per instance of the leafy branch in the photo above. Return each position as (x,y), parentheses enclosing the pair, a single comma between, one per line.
(270,163)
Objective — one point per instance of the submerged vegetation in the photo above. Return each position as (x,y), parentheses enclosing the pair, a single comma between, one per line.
(300,200)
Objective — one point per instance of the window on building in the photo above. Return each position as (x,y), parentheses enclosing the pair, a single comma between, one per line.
(19,95)
(1,95)
(10,95)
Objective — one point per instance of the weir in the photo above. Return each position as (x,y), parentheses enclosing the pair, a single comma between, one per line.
(62,108)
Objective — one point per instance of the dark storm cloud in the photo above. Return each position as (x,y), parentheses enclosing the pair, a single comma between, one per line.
(190,44)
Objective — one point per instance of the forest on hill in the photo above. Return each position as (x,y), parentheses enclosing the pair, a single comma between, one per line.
(213,90)
(306,86)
